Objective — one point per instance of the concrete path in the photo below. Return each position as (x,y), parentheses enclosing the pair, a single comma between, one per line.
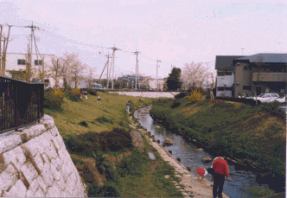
(189,185)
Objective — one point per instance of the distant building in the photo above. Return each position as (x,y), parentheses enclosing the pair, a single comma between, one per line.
(156,84)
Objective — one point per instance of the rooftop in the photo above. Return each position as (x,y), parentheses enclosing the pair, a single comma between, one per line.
(265,57)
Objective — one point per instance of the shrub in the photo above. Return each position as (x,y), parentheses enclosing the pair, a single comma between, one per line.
(258,192)
(175,104)
(92,92)
(273,108)
(103,119)
(73,94)
(83,123)
(109,189)
(195,96)
(180,95)
(52,101)
(59,95)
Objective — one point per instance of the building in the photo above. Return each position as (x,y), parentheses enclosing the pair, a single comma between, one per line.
(17,61)
(260,73)
(157,84)
(224,85)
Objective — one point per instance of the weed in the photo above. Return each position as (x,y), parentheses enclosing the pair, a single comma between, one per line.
(258,192)
(83,123)
(103,119)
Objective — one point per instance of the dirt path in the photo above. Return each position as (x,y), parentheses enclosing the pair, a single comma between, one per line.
(189,185)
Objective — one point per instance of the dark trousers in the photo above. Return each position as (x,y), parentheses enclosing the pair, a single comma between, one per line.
(218,185)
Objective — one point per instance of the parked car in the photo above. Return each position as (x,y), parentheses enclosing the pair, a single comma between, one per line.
(264,97)
(281,99)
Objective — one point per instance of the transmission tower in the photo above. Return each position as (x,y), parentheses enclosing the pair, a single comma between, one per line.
(136,69)
(113,64)
(157,66)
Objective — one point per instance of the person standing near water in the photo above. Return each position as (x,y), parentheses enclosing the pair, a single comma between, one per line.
(220,167)
(128,105)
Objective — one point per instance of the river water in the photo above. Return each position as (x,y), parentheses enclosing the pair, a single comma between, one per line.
(191,155)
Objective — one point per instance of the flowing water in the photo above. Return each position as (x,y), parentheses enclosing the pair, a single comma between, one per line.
(190,155)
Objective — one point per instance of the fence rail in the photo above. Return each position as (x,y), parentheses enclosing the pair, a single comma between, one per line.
(21,104)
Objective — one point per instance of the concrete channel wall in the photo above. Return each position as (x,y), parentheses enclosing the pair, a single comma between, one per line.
(35,163)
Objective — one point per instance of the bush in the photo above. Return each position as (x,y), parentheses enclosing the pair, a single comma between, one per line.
(109,189)
(195,96)
(273,108)
(180,95)
(83,123)
(73,94)
(258,192)
(52,101)
(103,119)
(92,92)
(59,95)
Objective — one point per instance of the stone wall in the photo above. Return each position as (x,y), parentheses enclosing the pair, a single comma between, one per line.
(35,163)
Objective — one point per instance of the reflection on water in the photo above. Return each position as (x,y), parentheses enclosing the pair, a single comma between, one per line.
(190,155)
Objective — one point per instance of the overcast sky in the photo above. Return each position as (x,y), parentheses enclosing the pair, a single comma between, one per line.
(174,32)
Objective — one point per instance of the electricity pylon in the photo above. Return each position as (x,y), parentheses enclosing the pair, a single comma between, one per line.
(136,69)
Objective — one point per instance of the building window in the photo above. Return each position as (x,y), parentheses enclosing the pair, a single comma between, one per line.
(38,62)
(247,87)
(224,88)
(245,68)
(21,61)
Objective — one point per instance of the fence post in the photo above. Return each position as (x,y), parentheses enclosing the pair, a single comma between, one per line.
(16,105)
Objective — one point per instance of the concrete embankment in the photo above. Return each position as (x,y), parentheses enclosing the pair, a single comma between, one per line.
(189,184)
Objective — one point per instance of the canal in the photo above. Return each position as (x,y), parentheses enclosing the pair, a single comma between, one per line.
(191,155)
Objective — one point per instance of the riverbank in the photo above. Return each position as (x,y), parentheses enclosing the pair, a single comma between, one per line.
(188,184)
(247,134)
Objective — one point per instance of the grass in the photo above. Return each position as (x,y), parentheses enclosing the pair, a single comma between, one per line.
(92,131)
(253,135)
(77,118)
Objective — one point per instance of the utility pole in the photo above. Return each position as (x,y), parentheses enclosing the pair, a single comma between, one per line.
(136,69)
(28,65)
(113,63)
(157,66)
(5,46)
(31,46)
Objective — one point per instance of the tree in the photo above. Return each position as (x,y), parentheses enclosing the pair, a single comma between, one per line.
(72,68)
(195,74)
(173,80)
(91,75)
(56,70)
(5,47)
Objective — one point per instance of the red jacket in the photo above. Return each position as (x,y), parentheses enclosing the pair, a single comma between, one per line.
(220,166)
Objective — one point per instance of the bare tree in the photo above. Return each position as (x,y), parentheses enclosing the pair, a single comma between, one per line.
(56,70)
(91,75)
(68,60)
(193,75)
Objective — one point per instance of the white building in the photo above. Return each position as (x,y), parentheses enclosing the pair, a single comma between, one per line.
(17,61)
(156,84)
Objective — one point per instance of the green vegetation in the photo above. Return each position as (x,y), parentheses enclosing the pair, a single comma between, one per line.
(254,135)
(195,96)
(173,80)
(92,131)
(258,192)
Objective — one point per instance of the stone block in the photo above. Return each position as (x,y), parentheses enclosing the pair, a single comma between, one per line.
(47,177)
(46,138)
(18,190)
(49,124)
(45,158)
(29,193)
(39,193)
(57,163)
(70,184)
(65,194)
(30,147)
(63,153)
(29,171)
(54,131)
(38,163)
(42,184)
(34,186)
(56,174)
(33,132)
(61,183)
(8,177)
(43,143)
(9,142)
(54,191)
(16,156)
(51,152)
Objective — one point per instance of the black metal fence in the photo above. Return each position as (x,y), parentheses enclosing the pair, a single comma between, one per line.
(21,103)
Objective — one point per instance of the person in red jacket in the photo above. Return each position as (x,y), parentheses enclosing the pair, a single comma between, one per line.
(220,167)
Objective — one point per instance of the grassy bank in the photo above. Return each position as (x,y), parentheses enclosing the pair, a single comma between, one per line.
(249,134)
(95,134)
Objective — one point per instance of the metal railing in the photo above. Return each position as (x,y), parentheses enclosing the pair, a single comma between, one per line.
(21,104)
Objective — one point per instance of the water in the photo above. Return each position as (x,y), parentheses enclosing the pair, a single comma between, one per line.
(190,155)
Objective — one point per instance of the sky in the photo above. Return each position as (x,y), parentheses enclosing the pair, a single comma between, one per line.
(175,32)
